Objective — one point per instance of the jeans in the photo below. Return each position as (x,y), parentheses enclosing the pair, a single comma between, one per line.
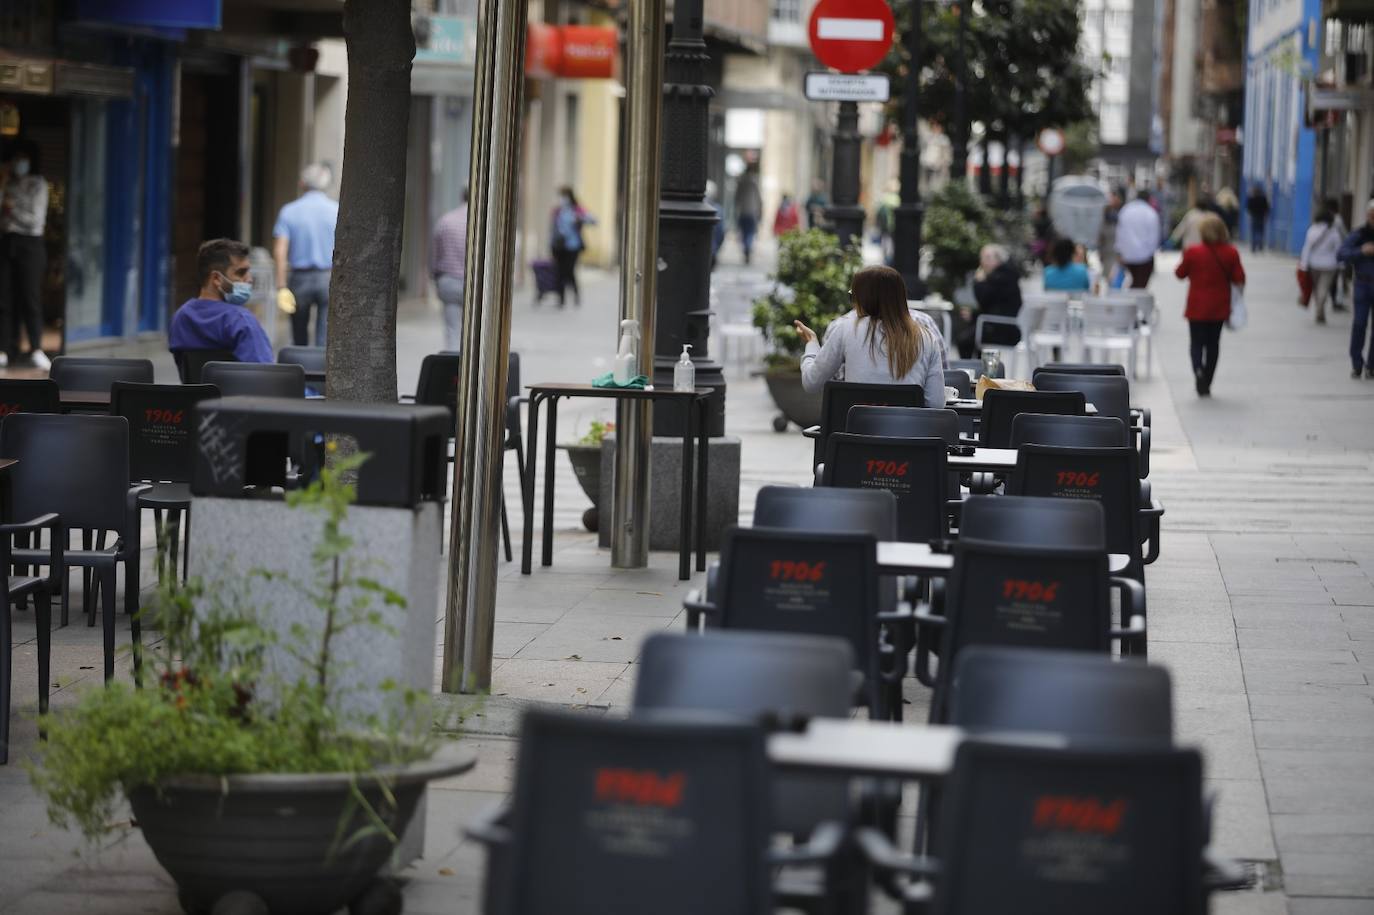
(451,295)
(1204,339)
(1364,301)
(1257,232)
(748,229)
(1322,282)
(565,265)
(23,261)
(311,289)
(1140,273)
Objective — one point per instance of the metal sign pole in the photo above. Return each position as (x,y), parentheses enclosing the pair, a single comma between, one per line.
(639,278)
(478,454)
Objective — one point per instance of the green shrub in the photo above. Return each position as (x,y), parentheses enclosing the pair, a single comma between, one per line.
(957,225)
(811,285)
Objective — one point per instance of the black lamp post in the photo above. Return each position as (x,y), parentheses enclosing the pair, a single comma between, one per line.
(906,224)
(845,215)
(958,166)
(686,222)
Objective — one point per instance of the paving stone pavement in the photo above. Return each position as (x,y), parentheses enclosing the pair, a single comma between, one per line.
(1260,606)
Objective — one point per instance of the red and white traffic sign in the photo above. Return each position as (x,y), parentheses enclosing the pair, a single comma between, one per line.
(851,35)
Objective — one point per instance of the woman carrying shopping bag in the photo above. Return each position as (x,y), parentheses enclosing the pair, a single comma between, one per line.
(1212,268)
(1318,258)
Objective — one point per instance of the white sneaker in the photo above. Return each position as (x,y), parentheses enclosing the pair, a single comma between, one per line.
(41,360)
(4,360)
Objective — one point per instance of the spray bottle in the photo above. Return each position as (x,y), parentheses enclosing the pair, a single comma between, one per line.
(627,356)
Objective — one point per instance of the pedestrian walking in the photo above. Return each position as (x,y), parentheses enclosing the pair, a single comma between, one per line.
(1211,267)
(23,256)
(788,217)
(1257,205)
(717,230)
(217,317)
(1342,283)
(565,239)
(303,250)
(448,265)
(1319,258)
(748,212)
(1137,239)
(1230,208)
(816,202)
(1106,236)
(880,341)
(1358,253)
(1186,233)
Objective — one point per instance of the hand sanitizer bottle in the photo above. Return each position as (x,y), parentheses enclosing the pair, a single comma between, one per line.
(685,373)
(627,356)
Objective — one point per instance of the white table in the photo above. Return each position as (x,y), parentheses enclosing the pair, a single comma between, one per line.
(969,406)
(882,748)
(897,557)
(984,460)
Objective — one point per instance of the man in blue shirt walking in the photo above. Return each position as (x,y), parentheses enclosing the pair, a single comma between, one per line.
(217,318)
(303,249)
(1358,252)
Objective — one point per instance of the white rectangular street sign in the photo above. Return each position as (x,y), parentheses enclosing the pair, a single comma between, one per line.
(847,87)
(850,29)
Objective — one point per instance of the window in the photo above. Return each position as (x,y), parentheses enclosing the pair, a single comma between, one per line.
(787,10)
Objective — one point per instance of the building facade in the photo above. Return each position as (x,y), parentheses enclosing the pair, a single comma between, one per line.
(1279,147)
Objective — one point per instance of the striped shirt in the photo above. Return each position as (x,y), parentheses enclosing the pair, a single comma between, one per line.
(448,250)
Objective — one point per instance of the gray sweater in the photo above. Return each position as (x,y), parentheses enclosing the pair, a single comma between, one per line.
(847,356)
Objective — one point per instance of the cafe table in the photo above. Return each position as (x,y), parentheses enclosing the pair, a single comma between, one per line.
(855,746)
(84,401)
(902,558)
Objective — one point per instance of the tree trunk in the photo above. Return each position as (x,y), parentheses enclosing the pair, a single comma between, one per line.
(1004,188)
(361,359)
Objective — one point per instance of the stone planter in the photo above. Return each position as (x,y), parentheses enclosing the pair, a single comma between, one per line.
(795,405)
(586,464)
(263,843)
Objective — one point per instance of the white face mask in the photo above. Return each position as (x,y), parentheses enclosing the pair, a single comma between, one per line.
(20,167)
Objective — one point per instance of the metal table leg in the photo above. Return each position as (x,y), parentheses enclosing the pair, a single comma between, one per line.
(703,472)
(684,551)
(527,494)
(550,452)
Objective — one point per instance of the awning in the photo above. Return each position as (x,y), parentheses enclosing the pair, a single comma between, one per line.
(51,76)
(1342,98)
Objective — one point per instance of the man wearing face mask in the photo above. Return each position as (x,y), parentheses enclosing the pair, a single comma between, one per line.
(217,318)
(23,259)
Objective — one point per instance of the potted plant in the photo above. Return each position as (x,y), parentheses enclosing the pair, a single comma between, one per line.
(257,790)
(811,285)
(585,457)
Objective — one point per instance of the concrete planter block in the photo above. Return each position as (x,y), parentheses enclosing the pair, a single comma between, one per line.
(665,491)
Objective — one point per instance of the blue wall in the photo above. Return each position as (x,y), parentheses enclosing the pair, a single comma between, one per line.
(1275,101)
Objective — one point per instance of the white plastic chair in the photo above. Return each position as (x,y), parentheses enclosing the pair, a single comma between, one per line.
(1109,326)
(1145,319)
(1048,325)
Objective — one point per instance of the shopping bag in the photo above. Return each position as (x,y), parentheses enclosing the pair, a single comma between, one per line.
(1304,287)
(1118,278)
(1239,316)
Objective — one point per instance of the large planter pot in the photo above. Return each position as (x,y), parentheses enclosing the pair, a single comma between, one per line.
(794,403)
(271,837)
(586,464)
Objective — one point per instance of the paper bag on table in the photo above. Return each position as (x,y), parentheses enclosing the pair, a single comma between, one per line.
(1001,384)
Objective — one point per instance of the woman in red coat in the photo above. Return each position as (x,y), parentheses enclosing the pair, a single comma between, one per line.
(1211,267)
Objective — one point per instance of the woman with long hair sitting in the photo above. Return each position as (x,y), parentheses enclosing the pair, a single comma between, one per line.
(880,342)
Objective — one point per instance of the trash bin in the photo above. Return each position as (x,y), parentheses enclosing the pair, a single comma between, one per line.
(242,522)
(1076,208)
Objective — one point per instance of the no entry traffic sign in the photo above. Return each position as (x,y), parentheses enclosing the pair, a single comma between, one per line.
(850,35)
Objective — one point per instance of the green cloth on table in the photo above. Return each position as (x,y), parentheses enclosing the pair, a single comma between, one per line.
(608,381)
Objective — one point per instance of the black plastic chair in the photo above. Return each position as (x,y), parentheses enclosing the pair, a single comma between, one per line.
(960,381)
(255,379)
(1032,829)
(914,470)
(804,583)
(82,373)
(1001,407)
(1051,593)
(1083,698)
(77,467)
(1068,431)
(24,586)
(839,396)
(1111,396)
(438,386)
(29,395)
(192,362)
(904,422)
(310,358)
(161,452)
(622,817)
(1106,476)
(1080,368)
(796,508)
